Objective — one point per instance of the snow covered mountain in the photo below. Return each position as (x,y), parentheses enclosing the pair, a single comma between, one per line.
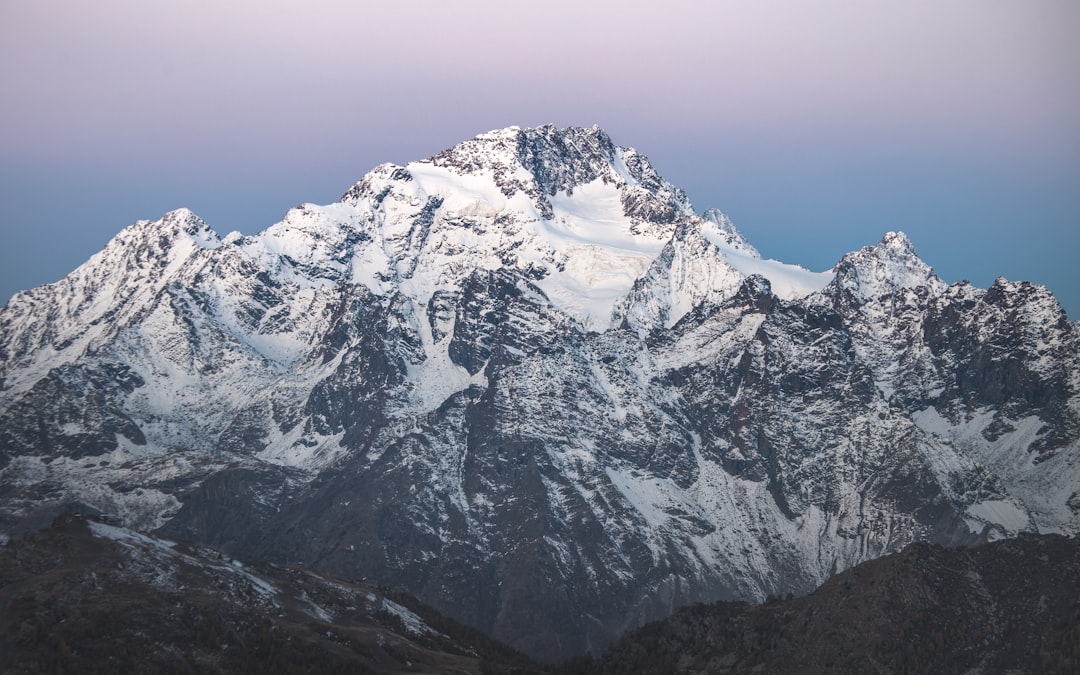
(524,381)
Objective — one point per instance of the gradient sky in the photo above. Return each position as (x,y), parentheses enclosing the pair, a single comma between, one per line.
(817,126)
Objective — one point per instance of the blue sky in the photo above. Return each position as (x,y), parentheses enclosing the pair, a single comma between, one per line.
(817,126)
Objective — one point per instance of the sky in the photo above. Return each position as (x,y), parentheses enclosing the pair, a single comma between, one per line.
(817,126)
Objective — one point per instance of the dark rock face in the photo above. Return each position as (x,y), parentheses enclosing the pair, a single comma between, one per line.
(73,411)
(1010,348)
(420,386)
(220,510)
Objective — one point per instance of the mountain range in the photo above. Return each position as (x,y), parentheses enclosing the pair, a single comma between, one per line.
(525,381)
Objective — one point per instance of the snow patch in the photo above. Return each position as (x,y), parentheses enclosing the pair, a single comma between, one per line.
(302,451)
(129,537)
(999,512)
(790,282)
(412,622)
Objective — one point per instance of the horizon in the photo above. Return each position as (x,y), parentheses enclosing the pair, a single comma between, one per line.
(815,130)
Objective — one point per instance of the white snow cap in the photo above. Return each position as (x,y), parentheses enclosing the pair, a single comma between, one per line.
(881,270)
(735,238)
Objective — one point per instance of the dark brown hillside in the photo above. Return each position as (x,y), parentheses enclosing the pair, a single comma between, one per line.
(1010,606)
(73,602)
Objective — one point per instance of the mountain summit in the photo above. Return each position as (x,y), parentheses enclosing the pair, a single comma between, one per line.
(526,382)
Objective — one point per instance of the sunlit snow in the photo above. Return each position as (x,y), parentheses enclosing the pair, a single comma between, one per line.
(789,282)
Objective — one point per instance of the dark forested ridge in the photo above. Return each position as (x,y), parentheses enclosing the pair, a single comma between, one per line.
(73,602)
(1010,606)
(87,597)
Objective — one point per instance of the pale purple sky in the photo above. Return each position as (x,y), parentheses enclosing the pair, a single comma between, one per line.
(817,126)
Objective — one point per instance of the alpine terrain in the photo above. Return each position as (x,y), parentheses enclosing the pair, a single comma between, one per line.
(524,381)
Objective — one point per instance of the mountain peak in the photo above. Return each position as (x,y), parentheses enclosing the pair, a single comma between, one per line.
(546,161)
(184,221)
(883,269)
(727,228)
(897,241)
(556,160)
(568,208)
(569,144)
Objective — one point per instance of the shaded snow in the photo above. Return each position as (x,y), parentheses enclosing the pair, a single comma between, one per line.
(126,536)
(141,542)
(1038,488)
(413,623)
(1000,512)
